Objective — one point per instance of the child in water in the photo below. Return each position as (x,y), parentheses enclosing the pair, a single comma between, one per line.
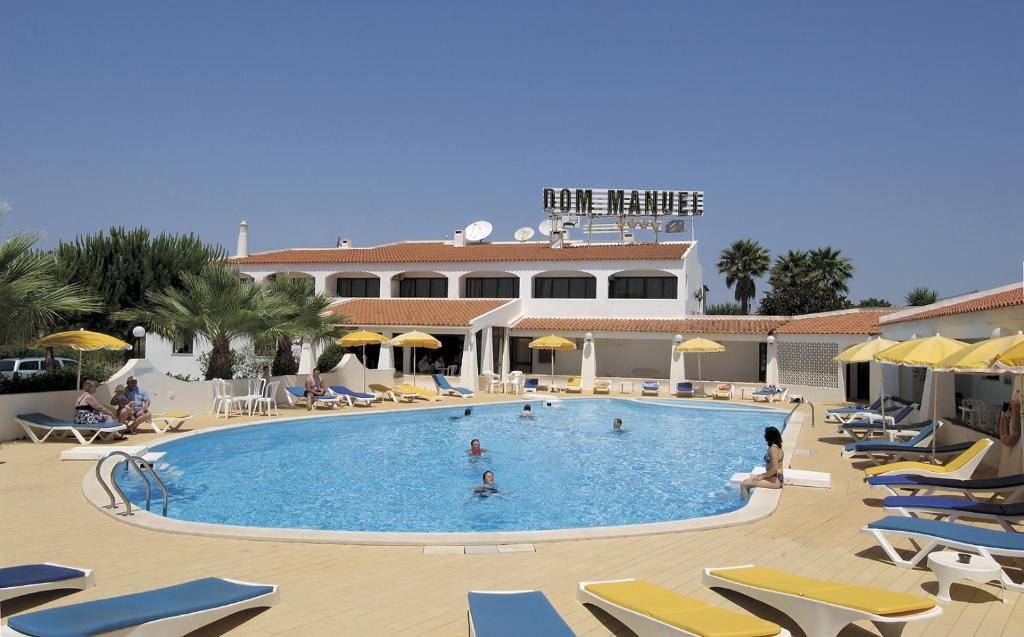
(474,448)
(617,426)
(527,411)
(488,487)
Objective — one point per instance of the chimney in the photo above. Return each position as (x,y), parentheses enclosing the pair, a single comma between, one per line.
(344,243)
(557,239)
(459,238)
(243,240)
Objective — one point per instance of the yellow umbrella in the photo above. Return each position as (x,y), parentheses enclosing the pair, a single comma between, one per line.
(981,356)
(82,341)
(552,343)
(1012,360)
(865,353)
(698,345)
(415,339)
(921,352)
(362,338)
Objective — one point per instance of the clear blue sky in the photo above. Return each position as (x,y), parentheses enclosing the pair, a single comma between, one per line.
(891,130)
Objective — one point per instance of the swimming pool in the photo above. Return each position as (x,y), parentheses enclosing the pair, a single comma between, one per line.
(407,470)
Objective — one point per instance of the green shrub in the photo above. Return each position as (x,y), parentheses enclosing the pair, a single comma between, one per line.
(59,380)
(330,357)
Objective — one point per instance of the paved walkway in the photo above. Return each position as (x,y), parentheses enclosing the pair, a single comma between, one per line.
(331,589)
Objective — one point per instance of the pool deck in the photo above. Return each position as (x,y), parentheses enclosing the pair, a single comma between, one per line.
(330,589)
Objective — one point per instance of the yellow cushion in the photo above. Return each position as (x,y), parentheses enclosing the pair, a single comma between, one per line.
(175,414)
(771,579)
(978,447)
(643,597)
(711,621)
(873,600)
(573,382)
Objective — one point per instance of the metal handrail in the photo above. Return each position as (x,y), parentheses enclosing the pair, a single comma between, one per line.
(135,462)
(798,405)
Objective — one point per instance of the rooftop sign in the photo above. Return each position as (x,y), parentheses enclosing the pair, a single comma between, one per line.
(623,201)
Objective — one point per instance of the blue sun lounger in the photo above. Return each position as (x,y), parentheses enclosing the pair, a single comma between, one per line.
(41,423)
(353,396)
(174,610)
(933,534)
(297,396)
(443,387)
(514,614)
(1011,487)
(684,389)
(27,579)
(953,508)
(530,385)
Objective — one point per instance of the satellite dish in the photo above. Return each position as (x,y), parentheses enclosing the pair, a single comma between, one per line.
(478,230)
(524,234)
(545,227)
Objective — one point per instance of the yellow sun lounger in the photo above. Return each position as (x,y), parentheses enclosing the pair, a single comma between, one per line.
(418,392)
(647,609)
(822,607)
(173,420)
(959,468)
(602,386)
(575,385)
(383,391)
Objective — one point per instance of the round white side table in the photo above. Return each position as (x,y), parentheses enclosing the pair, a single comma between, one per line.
(948,569)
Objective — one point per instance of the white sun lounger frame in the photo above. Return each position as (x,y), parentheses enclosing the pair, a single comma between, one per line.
(642,625)
(180,625)
(813,616)
(87,580)
(952,515)
(963,473)
(76,431)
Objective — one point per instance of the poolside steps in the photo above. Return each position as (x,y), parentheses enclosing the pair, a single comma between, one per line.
(793,477)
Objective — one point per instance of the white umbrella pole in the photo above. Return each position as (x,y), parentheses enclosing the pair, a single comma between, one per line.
(881,405)
(364,368)
(935,410)
(552,387)
(79,381)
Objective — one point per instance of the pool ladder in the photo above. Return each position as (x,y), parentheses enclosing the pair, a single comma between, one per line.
(798,405)
(141,466)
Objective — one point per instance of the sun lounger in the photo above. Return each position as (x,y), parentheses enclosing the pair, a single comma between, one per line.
(27,579)
(514,614)
(650,388)
(862,428)
(953,508)
(353,397)
(59,429)
(770,394)
(1010,487)
(722,391)
(392,393)
(418,392)
(856,412)
(960,467)
(297,397)
(602,386)
(823,607)
(173,420)
(684,389)
(933,534)
(574,385)
(649,610)
(530,385)
(443,387)
(894,452)
(174,610)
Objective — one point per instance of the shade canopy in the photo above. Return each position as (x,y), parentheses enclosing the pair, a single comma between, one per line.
(921,352)
(416,339)
(1012,360)
(552,342)
(362,337)
(698,345)
(981,356)
(82,341)
(864,352)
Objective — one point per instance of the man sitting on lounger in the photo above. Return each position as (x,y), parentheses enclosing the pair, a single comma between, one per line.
(314,387)
(139,402)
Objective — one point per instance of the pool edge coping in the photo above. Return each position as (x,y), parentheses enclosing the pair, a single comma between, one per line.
(762,504)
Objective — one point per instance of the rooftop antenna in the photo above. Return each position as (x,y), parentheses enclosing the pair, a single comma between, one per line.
(478,230)
(524,234)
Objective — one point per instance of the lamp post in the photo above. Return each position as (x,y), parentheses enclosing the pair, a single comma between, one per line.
(138,332)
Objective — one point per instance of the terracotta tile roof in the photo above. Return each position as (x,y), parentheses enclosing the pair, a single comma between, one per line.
(440,252)
(422,312)
(1006,297)
(852,322)
(706,325)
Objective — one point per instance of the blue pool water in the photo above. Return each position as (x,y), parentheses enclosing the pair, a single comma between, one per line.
(408,471)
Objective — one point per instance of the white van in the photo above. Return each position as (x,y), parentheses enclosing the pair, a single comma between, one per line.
(31,366)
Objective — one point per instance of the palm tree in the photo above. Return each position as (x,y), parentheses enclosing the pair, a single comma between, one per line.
(305,320)
(741,263)
(921,296)
(32,298)
(213,305)
(833,268)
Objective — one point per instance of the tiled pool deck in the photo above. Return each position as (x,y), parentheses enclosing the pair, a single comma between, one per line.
(339,589)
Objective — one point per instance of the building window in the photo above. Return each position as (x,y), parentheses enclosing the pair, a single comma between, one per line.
(642,287)
(423,288)
(564,287)
(182,344)
(492,288)
(359,288)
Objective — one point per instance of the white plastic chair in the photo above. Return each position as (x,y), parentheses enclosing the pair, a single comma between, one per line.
(268,399)
(514,382)
(493,381)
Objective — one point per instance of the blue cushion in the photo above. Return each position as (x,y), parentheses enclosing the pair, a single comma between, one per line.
(1003,482)
(945,503)
(115,613)
(35,574)
(516,615)
(974,535)
(341,389)
(462,390)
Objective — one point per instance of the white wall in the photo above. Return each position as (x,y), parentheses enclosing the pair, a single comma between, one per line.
(738,363)
(632,358)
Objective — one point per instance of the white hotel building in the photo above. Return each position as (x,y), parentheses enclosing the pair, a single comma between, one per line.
(626,306)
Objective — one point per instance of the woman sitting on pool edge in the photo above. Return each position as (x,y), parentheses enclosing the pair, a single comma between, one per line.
(772,476)
(488,487)
(475,449)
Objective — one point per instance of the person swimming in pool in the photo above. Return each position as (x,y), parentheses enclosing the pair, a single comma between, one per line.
(475,449)
(488,487)
(527,411)
(617,426)
(465,414)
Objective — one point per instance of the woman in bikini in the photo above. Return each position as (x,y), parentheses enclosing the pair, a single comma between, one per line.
(772,476)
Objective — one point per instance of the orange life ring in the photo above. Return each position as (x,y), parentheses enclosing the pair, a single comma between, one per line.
(1009,424)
